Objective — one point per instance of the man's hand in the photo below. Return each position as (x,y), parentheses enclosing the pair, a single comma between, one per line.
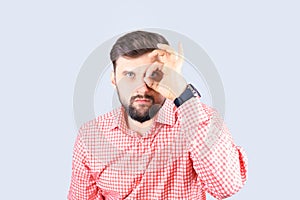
(164,75)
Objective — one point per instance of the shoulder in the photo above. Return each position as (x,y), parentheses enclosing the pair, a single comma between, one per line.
(98,125)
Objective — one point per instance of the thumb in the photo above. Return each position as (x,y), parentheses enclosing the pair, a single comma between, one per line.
(151,83)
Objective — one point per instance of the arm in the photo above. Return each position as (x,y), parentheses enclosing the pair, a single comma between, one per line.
(83,186)
(221,166)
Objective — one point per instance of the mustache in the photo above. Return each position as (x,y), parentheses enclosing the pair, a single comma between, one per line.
(142,97)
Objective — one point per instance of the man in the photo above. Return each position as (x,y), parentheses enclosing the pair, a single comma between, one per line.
(162,143)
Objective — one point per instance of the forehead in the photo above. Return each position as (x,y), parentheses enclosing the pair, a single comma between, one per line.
(126,63)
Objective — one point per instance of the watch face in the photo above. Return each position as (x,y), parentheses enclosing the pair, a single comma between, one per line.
(194,90)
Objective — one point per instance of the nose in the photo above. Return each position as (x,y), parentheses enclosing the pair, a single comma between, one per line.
(143,88)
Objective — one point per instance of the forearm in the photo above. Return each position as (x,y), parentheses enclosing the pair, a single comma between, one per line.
(222,168)
(220,164)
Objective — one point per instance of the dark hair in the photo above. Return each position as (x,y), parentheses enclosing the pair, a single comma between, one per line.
(135,44)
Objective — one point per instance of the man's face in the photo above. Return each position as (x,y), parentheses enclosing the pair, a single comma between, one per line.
(140,102)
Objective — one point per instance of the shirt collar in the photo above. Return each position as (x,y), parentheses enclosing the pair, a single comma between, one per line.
(166,114)
(118,118)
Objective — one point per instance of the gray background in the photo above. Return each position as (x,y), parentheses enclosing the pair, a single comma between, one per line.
(254,45)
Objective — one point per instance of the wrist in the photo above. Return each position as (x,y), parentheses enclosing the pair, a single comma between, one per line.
(189,92)
(180,90)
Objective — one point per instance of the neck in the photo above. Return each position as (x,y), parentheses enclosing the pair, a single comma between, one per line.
(139,127)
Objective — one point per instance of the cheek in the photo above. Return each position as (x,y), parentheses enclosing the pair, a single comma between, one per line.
(128,86)
(125,89)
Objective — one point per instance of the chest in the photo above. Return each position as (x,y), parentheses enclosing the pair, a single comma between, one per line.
(143,165)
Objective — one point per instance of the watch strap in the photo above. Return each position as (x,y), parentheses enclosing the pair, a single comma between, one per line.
(187,94)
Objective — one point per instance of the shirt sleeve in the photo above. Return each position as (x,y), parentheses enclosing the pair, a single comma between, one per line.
(221,166)
(83,185)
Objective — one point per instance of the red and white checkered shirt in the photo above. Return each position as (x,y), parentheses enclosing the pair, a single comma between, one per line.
(187,152)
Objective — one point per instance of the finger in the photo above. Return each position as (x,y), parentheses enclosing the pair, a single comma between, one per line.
(180,49)
(156,66)
(151,83)
(157,52)
(180,57)
(160,55)
(166,47)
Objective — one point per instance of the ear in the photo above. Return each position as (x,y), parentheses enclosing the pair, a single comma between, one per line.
(113,78)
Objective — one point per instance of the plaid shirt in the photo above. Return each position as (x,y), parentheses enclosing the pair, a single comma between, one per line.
(187,152)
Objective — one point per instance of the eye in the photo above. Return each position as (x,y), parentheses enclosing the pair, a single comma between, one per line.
(154,74)
(157,75)
(129,74)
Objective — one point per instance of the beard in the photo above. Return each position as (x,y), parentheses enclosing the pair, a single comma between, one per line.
(141,113)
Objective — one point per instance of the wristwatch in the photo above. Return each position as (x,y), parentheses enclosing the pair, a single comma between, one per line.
(188,93)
